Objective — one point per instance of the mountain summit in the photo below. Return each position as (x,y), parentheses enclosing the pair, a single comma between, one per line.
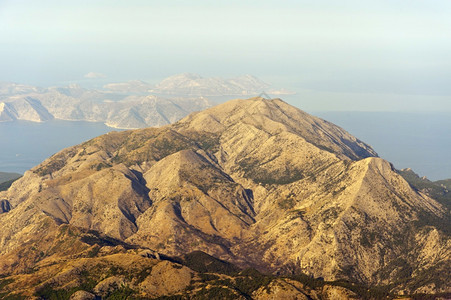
(255,182)
(275,117)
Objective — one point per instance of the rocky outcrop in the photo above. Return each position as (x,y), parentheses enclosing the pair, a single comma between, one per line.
(82,295)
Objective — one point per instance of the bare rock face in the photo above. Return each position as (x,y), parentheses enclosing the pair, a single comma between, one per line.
(161,280)
(255,182)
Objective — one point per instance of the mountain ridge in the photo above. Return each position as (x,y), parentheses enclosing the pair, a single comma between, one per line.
(255,182)
(130,113)
(194,84)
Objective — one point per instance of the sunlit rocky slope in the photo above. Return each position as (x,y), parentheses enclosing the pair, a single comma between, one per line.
(255,182)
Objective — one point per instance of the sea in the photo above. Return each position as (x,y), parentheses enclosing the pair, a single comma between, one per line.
(421,141)
(25,144)
(417,140)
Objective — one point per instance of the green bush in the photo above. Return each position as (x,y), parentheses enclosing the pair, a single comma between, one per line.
(214,293)
(121,293)
(203,263)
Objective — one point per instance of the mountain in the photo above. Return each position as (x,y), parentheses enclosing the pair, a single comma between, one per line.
(24,108)
(255,183)
(130,112)
(127,105)
(75,103)
(194,84)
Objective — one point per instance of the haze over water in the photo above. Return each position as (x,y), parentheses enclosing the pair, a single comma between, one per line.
(420,141)
(336,47)
(26,144)
(371,56)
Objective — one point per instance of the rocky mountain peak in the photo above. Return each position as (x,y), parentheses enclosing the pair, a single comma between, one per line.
(255,182)
(274,117)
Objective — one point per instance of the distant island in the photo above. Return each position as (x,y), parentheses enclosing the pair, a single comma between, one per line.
(127,105)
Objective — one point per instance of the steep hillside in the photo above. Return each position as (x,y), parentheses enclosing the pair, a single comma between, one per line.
(254,182)
(24,108)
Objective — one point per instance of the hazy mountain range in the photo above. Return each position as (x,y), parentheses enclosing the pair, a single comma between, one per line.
(184,210)
(132,104)
(193,84)
(115,110)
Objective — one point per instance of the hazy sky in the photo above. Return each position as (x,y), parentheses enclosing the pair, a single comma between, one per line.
(354,55)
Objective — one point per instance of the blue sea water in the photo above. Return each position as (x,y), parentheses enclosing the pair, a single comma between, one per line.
(421,141)
(25,144)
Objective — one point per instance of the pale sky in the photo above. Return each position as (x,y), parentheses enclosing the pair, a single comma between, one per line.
(363,55)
